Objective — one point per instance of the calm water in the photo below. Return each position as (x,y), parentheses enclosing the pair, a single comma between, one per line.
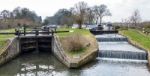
(44,64)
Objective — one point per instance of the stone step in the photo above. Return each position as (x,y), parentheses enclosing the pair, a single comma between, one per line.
(111,39)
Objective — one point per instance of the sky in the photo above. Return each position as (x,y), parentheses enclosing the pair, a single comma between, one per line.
(120,9)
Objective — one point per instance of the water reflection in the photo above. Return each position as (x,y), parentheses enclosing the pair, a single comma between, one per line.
(35,64)
(44,64)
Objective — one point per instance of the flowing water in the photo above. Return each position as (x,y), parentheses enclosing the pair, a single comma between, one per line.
(117,46)
(45,64)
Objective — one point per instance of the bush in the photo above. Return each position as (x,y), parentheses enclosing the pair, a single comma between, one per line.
(147,26)
(75,43)
(116,27)
(123,28)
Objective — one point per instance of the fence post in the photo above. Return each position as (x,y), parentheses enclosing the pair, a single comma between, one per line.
(24,28)
(36,32)
(18,31)
(52,32)
(55,28)
(48,31)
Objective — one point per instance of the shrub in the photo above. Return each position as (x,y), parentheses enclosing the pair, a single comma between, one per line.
(116,27)
(75,43)
(123,28)
(147,26)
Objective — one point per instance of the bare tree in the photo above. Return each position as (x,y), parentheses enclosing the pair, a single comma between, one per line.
(90,15)
(135,18)
(101,11)
(80,13)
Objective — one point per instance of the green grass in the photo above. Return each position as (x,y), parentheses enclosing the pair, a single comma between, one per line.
(78,51)
(138,37)
(4,38)
(80,31)
(8,30)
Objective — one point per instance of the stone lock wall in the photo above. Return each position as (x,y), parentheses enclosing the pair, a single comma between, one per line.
(10,51)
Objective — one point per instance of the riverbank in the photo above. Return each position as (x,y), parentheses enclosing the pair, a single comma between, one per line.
(4,39)
(74,39)
(9,51)
(138,39)
(8,46)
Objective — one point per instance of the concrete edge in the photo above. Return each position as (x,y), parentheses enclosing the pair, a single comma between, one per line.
(57,51)
(10,51)
(149,59)
(69,63)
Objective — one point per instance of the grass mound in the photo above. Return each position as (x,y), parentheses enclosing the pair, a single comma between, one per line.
(77,42)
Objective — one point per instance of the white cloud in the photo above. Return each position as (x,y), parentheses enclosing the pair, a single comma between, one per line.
(119,8)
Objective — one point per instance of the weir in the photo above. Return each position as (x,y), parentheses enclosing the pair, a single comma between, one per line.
(117,46)
(123,54)
(111,39)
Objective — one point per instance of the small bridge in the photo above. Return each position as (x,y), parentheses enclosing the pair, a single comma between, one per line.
(97,32)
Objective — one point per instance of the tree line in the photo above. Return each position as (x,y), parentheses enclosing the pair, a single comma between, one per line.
(19,16)
(134,21)
(80,14)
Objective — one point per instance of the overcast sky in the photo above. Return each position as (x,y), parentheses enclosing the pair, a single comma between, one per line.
(119,8)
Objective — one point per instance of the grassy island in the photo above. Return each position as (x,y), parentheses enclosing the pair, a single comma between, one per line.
(77,43)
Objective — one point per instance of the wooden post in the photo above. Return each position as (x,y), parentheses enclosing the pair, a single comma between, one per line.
(24,28)
(15,31)
(37,32)
(52,32)
(48,31)
(37,44)
(55,28)
(36,37)
(18,31)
